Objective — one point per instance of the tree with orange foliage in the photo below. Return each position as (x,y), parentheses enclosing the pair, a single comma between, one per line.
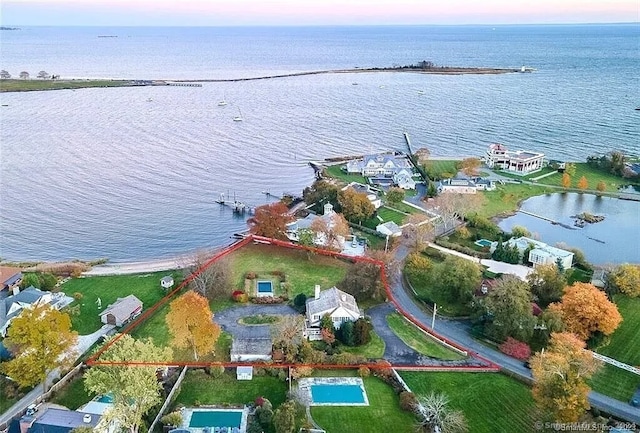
(601,186)
(583,183)
(470,166)
(566,180)
(270,220)
(191,324)
(331,229)
(585,310)
(560,375)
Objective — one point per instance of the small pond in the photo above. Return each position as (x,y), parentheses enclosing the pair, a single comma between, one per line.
(612,241)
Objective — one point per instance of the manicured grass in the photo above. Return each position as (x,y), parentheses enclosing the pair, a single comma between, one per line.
(336,172)
(625,347)
(391,215)
(426,293)
(418,340)
(260,319)
(593,176)
(505,199)
(198,386)
(13,85)
(403,207)
(438,168)
(615,382)
(491,402)
(382,415)
(302,271)
(145,287)
(372,350)
(73,394)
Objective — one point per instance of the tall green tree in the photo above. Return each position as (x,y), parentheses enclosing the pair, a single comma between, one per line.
(458,278)
(394,196)
(547,284)
(284,419)
(509,306)
(134,387)
(41,340)
(320,193)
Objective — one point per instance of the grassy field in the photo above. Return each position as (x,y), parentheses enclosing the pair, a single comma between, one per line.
(491,402)
(418,340)
(625,347)
(73,394)
(391,215)
(504,200)
(198,386)
(13,85)
(437,168)
(426,293)
(303,272)
(372,350)
(382,415)
(145,287)
(336,172)
(593,176)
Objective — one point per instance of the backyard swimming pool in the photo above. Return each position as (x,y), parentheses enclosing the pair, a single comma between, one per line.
(264,288)
(483,243)
(214,420)
(335,391)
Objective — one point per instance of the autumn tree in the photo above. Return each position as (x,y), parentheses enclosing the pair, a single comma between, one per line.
(284,419)
(418,231)
(270,220)
(470,166)
(191,325)
(135,388)
(286,335)
(570,169)
(417,266)
(363,282)
(355,205)
(626,278)
(458,278)
(509,307)
(566,180)
(583,183)
(213,280)
(394,196)
(601,187)
(560,375)
(40,339)
(452,206)
(331,229)
(547,284)
(435,415)
(586,310)
(320,193)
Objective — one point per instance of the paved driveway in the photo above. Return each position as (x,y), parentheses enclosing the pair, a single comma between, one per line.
(228,319)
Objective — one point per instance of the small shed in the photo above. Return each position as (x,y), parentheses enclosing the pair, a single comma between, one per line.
(121,311)
(166,282)
(599,278)
(244,372)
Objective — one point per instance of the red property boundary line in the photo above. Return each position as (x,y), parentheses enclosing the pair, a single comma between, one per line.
(490,366)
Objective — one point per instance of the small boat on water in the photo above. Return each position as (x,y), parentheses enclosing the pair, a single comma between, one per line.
(238,118)
(420,92)
(637,108)
(149,100)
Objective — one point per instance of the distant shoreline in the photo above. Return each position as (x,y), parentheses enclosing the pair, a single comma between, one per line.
(34,85)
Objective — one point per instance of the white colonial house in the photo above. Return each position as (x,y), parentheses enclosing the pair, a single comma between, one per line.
(378,165)
(541,253)
(403,178)
(519,162)
(338,305)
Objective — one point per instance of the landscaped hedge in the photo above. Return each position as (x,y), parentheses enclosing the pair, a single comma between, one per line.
(462,249)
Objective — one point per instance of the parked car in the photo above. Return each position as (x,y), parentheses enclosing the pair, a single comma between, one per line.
(635,400)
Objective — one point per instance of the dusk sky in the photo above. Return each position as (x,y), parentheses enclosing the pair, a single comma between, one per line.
(313,12)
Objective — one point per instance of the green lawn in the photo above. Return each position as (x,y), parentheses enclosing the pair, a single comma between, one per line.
(418,340)
(15,85)
(302,271)
(437,168)
(198,386)
(625,347)
(593,175)
(144,286)
(427,294)
(260,319)
(391,215)
(336,172)
(382,415)
(73,394)
(372,350)
(491,402)
(505,199)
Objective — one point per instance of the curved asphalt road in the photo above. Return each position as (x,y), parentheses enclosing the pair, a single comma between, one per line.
(457,332)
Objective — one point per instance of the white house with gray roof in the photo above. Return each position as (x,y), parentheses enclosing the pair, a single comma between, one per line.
(12,306)
(335,303)
(541,253)
(378,165)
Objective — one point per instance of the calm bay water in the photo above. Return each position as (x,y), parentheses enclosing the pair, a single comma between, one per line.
(614,240)
(106,173)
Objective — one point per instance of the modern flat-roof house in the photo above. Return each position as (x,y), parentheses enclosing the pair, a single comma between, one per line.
(335,303)
(251,349)
(519,162)
(541,253)
(121,311)
(12,306)
(465,186)
(10,277)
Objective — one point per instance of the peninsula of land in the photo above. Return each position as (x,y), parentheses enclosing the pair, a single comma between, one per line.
(26,85)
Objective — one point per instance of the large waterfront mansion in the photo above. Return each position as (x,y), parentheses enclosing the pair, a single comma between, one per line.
(520,161)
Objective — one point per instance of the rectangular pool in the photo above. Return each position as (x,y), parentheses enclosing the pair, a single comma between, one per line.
(216,418)
(264,288)
(483,243)
(337,394)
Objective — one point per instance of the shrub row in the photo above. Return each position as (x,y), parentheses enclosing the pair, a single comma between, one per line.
(462,249)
